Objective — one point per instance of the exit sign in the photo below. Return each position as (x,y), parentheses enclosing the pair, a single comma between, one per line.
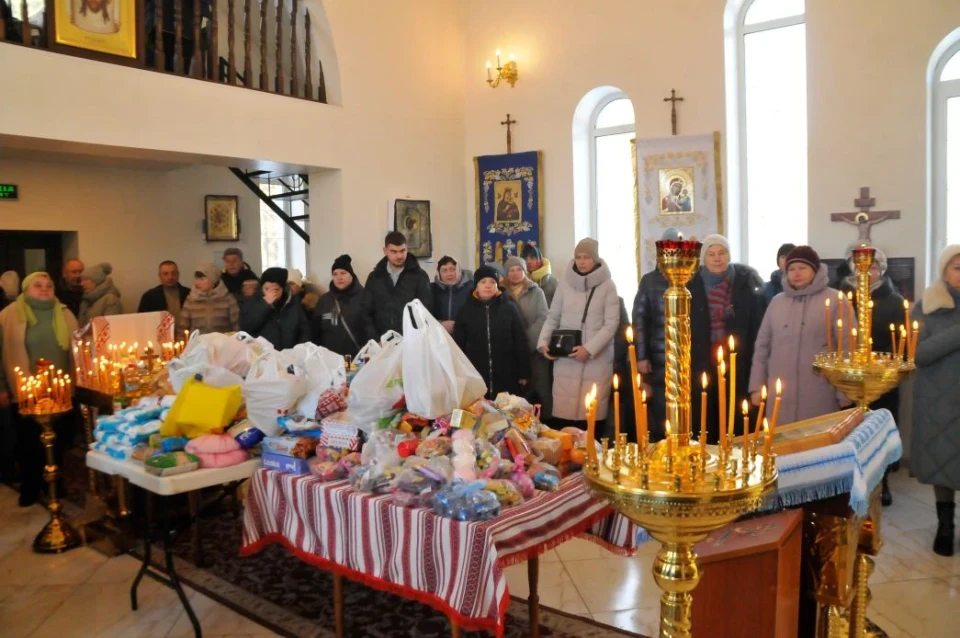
(9,191)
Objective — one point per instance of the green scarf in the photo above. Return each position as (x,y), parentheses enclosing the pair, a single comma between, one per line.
(25,314)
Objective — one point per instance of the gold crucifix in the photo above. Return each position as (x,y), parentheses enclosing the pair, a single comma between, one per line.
(508,122)
(673,99)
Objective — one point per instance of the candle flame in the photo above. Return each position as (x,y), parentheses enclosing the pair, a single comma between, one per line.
(679,236)
(593,391)
(853,331)
(906,304)
(732,344)
(763,392)
(616,383)
(916,325)
(668,427)
(723,368)
(840,297)
(892,328)
(779,386)
(840,323)
(629,334)
(643,396)
(587,400)
(639,380)
(766,426)
(870,304)
(849,296)
(745,407)
(719,354)
(703,380)
(828,302)
(903,330)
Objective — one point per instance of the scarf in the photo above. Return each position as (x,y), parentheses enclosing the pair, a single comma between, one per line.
(542,271)
(25,314)
(719,289)
(518,290)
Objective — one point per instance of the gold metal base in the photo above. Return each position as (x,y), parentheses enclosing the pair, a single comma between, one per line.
(57,535)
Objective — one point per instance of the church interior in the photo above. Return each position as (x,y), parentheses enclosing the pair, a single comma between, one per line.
(303,130)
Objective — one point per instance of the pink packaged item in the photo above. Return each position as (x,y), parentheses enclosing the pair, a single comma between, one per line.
(212,444)
(223,459)
(330,403)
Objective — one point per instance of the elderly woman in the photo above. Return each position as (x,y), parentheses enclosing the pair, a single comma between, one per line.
(100,297)
(451,288)
(935,449)
(532,302)
(586,301)
(210,307)
(277,317)
(727,300)
(35,326)
(337,322)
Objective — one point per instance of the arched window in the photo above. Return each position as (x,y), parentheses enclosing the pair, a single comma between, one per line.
(612,129)
(945,144)
(767,103)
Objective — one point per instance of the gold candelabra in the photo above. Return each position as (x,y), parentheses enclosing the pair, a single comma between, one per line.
(676,489)
(857,371)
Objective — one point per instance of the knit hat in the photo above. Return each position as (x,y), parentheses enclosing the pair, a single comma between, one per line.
(294,276)
(208,270)
(99,273)
(10,283)
(510,262)
(805,255)
(589,246)
(485,271)
(274,275)
(531,250)
(712,240)
(671,234)
(344,262)
(784,250)
(946,257)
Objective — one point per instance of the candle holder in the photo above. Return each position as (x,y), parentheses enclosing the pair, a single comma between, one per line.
(677,489)
(864,376)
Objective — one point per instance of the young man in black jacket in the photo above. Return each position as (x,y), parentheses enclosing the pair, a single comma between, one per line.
(395,281)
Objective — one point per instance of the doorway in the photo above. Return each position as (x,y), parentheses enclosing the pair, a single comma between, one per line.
(28,251)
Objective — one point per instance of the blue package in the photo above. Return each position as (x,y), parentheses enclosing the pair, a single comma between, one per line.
(466,502)
(286,464)
(173,443)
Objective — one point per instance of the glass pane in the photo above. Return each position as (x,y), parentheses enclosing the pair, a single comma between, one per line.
(765,10)
(775,76)
(34,260)
(951,70)
(615,222)
(617,113)
(953,169)
(273,245)
(298,247)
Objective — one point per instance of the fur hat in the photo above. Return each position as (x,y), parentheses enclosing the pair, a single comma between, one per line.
(99,273)
(485,271)
(712,240)
(208,270)
(10,283)
(937,296)
(510,262)
(805,255)
(589,246)
(279,276)
(344,262)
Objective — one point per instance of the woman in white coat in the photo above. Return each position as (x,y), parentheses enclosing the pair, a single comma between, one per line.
(586,300)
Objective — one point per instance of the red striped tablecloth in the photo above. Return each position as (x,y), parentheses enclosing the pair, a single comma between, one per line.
(456,568)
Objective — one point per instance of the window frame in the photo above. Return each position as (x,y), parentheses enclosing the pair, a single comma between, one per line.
(592,134)
(941,92)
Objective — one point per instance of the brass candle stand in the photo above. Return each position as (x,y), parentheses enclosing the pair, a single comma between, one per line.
(676,489)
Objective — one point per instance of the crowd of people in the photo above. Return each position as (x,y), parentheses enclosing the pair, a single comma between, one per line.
(508,319)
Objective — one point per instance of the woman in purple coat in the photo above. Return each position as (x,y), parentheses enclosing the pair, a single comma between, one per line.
(793,331)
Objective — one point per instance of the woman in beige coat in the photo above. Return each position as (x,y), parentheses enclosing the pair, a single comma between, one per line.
(210,307)
(100,297)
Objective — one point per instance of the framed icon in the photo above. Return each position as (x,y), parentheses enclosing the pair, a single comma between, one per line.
(221,221)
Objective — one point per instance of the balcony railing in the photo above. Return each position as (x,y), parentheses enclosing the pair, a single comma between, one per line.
(187,38)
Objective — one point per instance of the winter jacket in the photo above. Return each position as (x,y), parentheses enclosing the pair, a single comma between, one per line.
(935,446)
(14,351)
(155,301)
(234,283)
(337,322)
(544,278)
(572,379)
(447,299)
(385,301)
(533,309)
(648,320)
(773,287)
(887,309)
(492,335)
(214,311)
(793,331)
(284,327)
(68,296)
(743,324)
(102,301)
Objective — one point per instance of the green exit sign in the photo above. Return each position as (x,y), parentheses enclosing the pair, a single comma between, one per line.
(9,191)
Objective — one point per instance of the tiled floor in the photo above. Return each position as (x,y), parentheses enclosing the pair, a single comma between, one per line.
(81,593)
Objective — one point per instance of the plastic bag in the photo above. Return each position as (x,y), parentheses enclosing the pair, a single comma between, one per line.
(367,352)
(235,353)
(323,370)
(440,377)
(376,393)
(201,409)
(466,502)
(270,389)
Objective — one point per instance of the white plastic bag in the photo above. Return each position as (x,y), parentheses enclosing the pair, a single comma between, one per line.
(270,388)
(439,376)
(214,376)
(377,390)
(369,349)
(323,370)
(232,352)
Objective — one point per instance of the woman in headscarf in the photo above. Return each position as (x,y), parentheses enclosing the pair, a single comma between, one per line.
(278,317)
(935,448)
(451,288)
(337,322)
(532,303)
(210,306)
(100,297)
(35,326)
(586,300)
(727,300)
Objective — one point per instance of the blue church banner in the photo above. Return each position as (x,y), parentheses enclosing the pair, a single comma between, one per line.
(509,204)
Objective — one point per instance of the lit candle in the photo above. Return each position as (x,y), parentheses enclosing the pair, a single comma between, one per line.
(893,338)
(616,409)
(643,415)
(669,441)
(776,405)
(853,340)
(637,408)
(906,317)
(488,70)
(703,409)
(767,439)
(745,409)
(760,413)
(828,324)
(840,338)
(914,336)
(903,341)
(591,425)
(722,394)
(850,313)
(733,384)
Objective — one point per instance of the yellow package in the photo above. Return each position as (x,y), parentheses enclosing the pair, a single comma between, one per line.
(200,409)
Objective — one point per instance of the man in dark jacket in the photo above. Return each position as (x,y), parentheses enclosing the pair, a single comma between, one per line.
(69,290)
(775,286)
(338,319)
(451,288)
(235,272)
(277,316)
(396,281)
(169,295)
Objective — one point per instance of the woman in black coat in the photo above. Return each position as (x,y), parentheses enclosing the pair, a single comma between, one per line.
(490,331)
(278,316)
(338,322)
(727,300)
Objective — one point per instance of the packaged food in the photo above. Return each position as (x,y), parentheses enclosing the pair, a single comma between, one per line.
(463,419)
(301,447)
(341,435)
(326,470)
(171,463)
(565,438)
(349,461)
(550,450)
(467,501)
(211,460)
(246,434)
(488,459)
(434,446)
(545,477)
(507,493)
(328,454)
(142,452)
(212,444)
(408,448)
(286,464)
(523,482)
(173,443)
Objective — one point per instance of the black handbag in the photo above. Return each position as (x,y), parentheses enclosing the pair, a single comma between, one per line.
(562,342)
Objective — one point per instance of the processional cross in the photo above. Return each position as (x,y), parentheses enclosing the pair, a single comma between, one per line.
(865,218)
(508,122)
(673,99)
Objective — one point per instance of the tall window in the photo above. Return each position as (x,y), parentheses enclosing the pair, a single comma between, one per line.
(279,245)
(772,126)
(612,127)
(946,147)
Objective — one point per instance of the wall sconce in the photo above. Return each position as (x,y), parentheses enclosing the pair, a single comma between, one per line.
(506,72)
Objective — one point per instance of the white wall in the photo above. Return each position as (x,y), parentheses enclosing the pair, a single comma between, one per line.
(133,219)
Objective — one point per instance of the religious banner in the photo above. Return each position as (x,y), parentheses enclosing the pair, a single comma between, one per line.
(509,204)
(677,184)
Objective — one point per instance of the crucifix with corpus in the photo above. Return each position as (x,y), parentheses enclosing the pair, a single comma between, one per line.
(865,218)
(508,122)
(673,99)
